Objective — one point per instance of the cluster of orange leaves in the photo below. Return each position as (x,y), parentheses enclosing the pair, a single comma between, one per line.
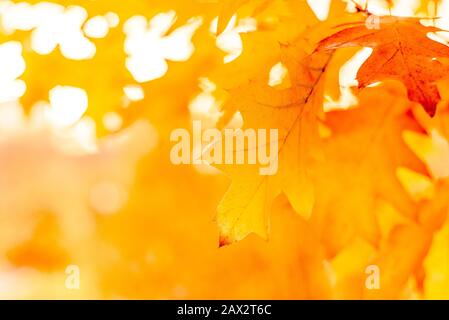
(362,186)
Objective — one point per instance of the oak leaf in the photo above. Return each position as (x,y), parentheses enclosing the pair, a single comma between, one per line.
(402,51)
(362,155)
(294,112)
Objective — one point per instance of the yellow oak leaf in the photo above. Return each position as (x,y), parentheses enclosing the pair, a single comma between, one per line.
(294,113)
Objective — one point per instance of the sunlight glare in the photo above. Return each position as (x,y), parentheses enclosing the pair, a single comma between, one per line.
(320,8)
(230,40)
(112,121)
(96,27)
(68,104)
(12,66)
(278,74)
(204,106)
(347,79)
(52,25)
(148,45)
(134,92)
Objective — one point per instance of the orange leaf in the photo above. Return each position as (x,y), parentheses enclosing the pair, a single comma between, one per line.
(402,51)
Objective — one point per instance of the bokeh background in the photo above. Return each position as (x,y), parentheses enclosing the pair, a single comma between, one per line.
(90,91)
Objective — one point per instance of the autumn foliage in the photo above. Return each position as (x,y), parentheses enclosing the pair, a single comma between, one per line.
(91,92)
